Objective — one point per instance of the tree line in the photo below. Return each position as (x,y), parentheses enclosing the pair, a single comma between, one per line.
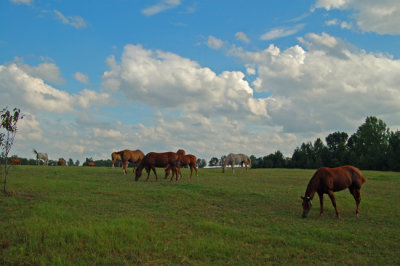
(372,147)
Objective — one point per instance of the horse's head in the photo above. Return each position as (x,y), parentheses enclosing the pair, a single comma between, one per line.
(138,173)
(307,204)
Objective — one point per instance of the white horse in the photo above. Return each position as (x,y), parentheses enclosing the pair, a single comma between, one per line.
(41,156)
(233,159)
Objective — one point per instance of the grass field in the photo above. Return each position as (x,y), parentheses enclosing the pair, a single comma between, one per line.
(81,215)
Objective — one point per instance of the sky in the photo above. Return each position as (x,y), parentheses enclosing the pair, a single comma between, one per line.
(210,77)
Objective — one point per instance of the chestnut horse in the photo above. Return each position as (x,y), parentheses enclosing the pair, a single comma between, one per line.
(328,180)
(127,156)
(154,159)
(185,160)
(61,162)
(116,156)
(14,161)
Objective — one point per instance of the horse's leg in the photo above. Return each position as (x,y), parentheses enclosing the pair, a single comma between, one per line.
(321,203)
(357,196)
(112,163)
(180,172)
(178,169)
(155,173)
(148,173)
(330,193)
(173,173)
(124,165)
(167,172)
(191,171)
(195,168)
(233,168)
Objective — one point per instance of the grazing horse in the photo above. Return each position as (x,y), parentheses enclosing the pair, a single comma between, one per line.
(127,156)
(185,160)
(90,164)
(154,159)
(116,156)
(233,159)
(328,180)
(14,161)
(61,162)
(41,156)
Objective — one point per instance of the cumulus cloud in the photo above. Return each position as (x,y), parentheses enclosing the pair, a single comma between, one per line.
(48,71)
(75,21)
(81,77)
(327,86)
(161,6)
(166,80)
(22,87)
(382,17)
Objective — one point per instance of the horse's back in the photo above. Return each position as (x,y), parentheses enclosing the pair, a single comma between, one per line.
(339,178)
(160,159)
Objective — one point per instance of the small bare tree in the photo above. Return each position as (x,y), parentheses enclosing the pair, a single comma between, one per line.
(8,123)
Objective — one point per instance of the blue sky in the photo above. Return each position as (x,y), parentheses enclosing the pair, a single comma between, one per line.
(212,77)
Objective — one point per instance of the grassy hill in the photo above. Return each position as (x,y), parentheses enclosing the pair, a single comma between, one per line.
(82,215)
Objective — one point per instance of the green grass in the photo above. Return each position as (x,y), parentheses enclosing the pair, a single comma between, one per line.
(82,215)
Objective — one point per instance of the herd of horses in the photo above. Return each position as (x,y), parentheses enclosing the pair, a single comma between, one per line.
(324,181)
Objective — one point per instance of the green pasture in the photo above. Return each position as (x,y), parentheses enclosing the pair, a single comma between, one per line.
(82,215)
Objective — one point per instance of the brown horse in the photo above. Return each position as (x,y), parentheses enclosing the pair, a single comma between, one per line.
(154,159)
(61,162)
(14,161)
(328,180)
(116,156)
(185,160)
(127,156)
(90,164)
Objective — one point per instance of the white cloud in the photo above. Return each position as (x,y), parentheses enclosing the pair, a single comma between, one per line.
(25,2)
(107,133)
(21,88)
(74,21)
(165,80)
(382,17)
(214,43)
(332,22)
(241,36)
(48,71)
(162,6)
(281,32)
(330,86)
(81,77)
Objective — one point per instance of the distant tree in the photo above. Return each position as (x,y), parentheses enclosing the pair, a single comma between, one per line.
(213,161)
(221,161)
(201,163)
(8,122)
(77,163)
(370,144)
(393,153)
(336,143)
(70,162)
